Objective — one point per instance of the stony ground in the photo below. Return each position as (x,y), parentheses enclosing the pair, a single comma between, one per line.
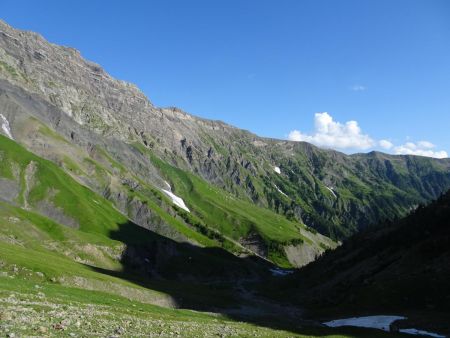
(34,306)
(34,315)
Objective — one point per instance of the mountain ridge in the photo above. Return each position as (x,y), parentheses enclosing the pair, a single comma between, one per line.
(170,110)
(110,121)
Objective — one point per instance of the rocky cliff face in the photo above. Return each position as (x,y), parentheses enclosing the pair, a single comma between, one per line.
(108,135)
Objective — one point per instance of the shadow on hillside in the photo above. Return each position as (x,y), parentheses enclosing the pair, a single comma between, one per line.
(202,279)
(212,279)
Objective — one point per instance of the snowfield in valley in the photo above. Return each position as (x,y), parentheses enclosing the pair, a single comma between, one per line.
(280,191)
(5,126)
(332,191)
(278,272)
(421,333)
(375,322)
(178,201)
(378,322)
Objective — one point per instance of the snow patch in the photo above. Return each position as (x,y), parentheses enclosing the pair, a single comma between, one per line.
(178,201)
(378,322)
(168,185)
(280,272)
(277,170)
(421,333)
(374,322)
(5,126)
(332,191)
(279,190)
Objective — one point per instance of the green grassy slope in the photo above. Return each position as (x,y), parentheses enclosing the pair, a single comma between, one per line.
(218,219)
(95,216)
(90,211)
(57,280)
(71,256)
(235,218)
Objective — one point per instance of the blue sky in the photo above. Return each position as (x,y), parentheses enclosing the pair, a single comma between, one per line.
(274,67)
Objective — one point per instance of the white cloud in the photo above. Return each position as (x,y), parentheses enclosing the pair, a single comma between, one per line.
(331,134)
(425,145)
(385,144)
(422,148)
(358,88)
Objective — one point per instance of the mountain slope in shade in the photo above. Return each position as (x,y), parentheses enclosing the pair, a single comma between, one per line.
(400,267)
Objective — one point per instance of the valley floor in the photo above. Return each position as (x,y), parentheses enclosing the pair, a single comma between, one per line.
(36,309)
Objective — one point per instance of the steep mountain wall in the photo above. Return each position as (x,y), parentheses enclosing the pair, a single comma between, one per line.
(331,192)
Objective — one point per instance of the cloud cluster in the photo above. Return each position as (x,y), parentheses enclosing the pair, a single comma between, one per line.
(422,148)
(358,88)
(332,134)
(385,144)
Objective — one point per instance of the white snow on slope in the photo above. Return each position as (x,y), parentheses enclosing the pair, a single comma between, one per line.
(277,170)
(178,201)
(279,190)
(332,191)
(280,272)
(168,185)
(5,127)
(421,333)
(378,322)
(375,322)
